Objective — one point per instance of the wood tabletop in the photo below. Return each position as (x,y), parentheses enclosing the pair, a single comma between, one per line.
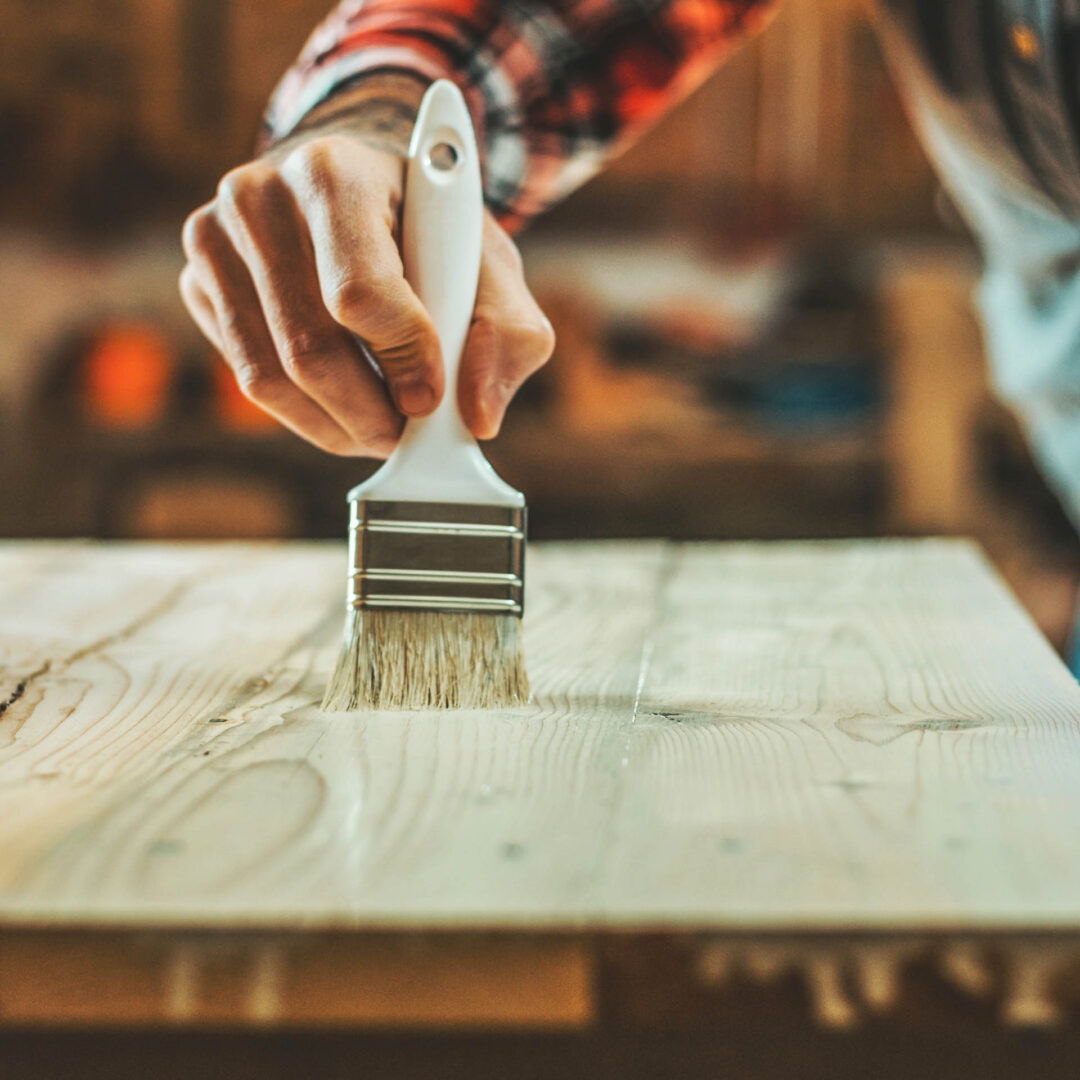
(725,739)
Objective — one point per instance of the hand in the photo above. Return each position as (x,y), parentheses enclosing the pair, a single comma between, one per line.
(298,252)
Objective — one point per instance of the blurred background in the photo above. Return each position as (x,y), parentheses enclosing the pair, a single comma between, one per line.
(763,310)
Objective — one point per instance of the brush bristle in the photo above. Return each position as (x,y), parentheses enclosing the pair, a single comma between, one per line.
(428,660)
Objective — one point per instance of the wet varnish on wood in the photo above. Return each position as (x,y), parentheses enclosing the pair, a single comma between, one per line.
(789,738)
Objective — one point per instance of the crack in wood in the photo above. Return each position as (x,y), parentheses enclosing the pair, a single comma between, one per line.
(165,604)
(22,686)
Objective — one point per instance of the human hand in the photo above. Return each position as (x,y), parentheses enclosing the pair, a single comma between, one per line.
(298,252)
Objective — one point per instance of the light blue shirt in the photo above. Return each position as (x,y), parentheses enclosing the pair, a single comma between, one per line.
(993,85)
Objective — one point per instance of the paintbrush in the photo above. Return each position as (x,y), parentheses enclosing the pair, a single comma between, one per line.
(436,538)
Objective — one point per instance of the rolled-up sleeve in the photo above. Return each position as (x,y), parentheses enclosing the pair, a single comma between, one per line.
(555,88)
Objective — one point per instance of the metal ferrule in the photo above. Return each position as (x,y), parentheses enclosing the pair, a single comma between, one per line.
(437,556)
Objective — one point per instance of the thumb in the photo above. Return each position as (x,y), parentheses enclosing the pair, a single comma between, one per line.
(384,312)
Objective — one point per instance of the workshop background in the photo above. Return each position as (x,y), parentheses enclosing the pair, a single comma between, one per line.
(763,309)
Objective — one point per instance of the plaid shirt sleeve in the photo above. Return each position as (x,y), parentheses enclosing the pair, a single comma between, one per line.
(555,87)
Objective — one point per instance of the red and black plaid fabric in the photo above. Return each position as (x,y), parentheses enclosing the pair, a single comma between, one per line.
(555,88)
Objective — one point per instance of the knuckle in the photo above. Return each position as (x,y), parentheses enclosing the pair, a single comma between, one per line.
(312,165)
(196,233)
(396,330)
(256,382)
(190,293)
(542,341)
(523,345)
(410,359)
(348,299)
(186,284)
(531,342)
(309,354)
(242,189)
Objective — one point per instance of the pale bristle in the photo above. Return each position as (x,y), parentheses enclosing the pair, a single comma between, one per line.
(428,660)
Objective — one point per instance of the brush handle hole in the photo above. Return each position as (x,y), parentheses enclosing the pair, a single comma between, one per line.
(443,156)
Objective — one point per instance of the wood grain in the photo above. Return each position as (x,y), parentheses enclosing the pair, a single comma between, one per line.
(851,736)
(731,739)
(174,754)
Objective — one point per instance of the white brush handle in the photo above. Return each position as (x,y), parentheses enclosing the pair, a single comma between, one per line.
(437,459)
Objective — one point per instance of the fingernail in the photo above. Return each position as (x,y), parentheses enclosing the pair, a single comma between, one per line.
(414,398)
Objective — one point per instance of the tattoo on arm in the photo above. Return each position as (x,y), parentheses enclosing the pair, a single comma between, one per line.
(379,108)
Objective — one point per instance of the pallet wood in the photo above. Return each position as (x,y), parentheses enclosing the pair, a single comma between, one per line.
(748,744)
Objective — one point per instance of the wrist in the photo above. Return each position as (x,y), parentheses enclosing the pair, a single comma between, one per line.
(379,108)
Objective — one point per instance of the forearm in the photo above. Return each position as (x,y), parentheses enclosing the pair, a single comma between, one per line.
(556,88)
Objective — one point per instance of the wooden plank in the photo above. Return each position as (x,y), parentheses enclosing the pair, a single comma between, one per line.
(170,766)
(776,746)
(842,735)
(848,736)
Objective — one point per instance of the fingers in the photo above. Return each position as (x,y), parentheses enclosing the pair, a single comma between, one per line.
(359,268)
(510,337)
(220,294)
(263,222)
(297,255)
(200,307)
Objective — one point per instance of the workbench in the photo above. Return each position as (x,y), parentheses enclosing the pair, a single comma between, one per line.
(820,764)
